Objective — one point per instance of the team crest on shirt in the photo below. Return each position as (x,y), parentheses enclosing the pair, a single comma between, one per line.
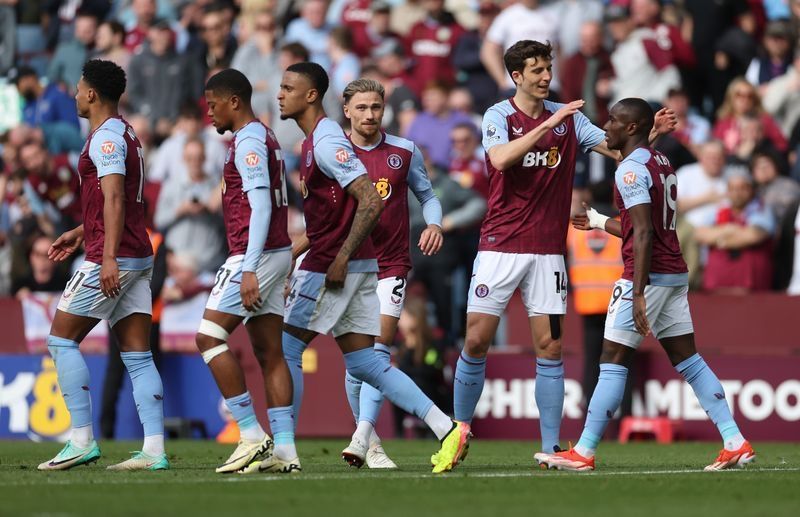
(309,157)
(342,155)
(384,188)
(251,159)
(107,147)
(629,178)
(394,161)
(560,129)
(482,291)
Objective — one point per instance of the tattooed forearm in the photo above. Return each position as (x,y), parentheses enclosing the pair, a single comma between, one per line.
(369,210)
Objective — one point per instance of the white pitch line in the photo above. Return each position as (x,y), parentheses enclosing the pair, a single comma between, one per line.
(159,478)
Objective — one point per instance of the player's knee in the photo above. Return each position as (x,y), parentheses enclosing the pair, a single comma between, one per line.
(548,348)
(476,346)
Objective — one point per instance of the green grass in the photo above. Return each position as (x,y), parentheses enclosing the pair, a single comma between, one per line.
(496,480)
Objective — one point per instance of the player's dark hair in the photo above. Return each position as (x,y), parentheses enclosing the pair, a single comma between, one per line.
(230,82)
(106,78)
(640,112)
(516,55)
(315,73)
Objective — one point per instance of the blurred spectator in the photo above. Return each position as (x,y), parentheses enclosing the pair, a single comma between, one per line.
(752,140)
(642,67)
(587,74)
(257,59)
(432,127)
(405,15)
(44,275)
(391,60)
(8,31)
(31,40)
(741,99)
(462,210)
(144,12)
(109,44)
(44,105)
(519,21)
(345,66)
(782,97)
(218,44)
(794,283)
(67,63)
(647,13)
(460,101)
(692,129)
(735,49)
(430,44)
(369,24)
(402,105)
(161,81)
(163,165)
(188,212)
(774,56)
(572,15)
(184,279)
(311,30)
(794,7)
(739,238)
(419,356)
(288,134)
(777,192)
(467,59)
(55,181)
(468,167)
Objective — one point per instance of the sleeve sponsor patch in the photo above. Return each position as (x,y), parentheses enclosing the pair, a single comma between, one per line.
(107,147)
(251,159)
(342,156)
(629,178)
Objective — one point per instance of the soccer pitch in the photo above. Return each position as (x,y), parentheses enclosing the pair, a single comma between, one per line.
(497,479)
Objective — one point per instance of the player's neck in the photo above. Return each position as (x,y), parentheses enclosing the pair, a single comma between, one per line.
(243,120)
(308,120)
(100,115)
(631,146)
(364,141)
(530,106)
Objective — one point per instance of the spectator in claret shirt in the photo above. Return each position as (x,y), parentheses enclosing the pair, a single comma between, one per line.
(373,29)
(587,73)
(144,12)
(647,13)
(430,44)
(468,167)
(54,181)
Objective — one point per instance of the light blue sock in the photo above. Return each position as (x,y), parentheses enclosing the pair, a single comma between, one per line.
(293,349)
(148,392)
(468,386)
(606,399)
(371,399)
(281,422)
(709,392)
(352,387)
(73,379)
(241,407)
(395,385)
(550,400)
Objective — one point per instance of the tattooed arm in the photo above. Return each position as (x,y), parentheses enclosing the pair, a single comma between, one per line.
(369,210)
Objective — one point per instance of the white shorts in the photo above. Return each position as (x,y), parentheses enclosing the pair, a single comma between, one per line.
(541,279)
(353,308)
(667,312)
(272,270)
(83,297)
(392,295)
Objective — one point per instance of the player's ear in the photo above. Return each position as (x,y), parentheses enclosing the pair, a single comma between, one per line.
(312,95)
(346,111)
(516,76)
(235,102)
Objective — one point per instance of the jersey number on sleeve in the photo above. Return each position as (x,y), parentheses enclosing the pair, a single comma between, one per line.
(670,201)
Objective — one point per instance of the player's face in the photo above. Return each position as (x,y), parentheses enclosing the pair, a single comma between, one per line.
(616,129)
(535,78)
(219,111)
(82,98)
(293,95)
(365,111)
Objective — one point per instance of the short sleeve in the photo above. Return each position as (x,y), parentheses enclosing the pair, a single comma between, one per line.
(494,129)
(107,151)
(633,182)
(587,133)
(251,161)
(336,158)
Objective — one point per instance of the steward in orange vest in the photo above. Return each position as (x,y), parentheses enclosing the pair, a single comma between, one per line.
(595,263)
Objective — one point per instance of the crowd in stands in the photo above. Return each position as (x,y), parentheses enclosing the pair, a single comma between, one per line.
(730,69)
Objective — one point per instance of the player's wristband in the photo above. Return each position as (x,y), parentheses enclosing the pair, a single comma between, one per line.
(596,219)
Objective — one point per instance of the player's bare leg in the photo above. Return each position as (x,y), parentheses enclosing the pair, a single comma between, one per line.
(133,336)
(211,340)
(736,451)
(66,332)
(265,336)
(365,402)
(546,332)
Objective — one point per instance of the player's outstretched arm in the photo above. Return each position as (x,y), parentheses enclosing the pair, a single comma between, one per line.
(369,210)
(593,219)
(113,187)
(505,155)
(642,251)
(66,244)
(665,122)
